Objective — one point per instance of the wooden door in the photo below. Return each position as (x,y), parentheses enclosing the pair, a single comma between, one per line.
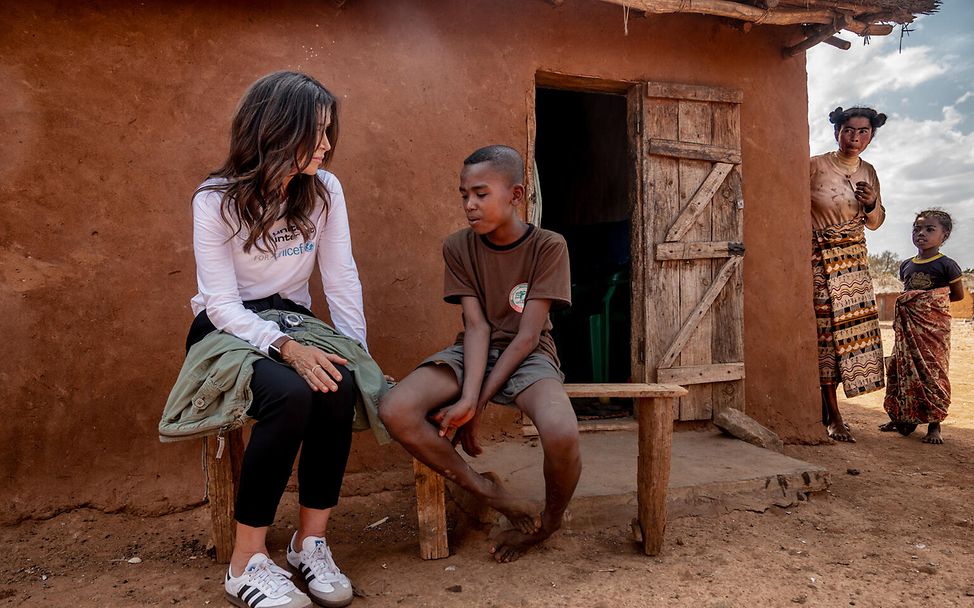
(690,256)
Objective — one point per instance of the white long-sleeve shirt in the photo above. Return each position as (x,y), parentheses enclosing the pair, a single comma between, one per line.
(226,276)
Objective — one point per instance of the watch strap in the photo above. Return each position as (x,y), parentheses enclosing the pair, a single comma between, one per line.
(274,349)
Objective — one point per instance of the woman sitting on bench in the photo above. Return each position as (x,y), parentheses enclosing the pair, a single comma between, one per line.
(259,224)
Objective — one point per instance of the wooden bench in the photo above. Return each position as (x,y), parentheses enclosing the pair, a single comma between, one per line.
(655,420)
(654,413)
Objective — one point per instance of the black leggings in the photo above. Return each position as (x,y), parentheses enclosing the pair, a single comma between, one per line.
(290,416)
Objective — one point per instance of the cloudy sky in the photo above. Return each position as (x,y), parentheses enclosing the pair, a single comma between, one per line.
(925,154)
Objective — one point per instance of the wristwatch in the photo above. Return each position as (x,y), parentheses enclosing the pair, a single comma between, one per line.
(274,349)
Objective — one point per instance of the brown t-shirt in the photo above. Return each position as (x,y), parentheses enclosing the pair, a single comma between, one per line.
(503,279)
(834,193)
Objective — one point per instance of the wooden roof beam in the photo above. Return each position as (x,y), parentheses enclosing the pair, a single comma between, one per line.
(734,10)
(838,43)
(781,15)
(862,28)
(816,35)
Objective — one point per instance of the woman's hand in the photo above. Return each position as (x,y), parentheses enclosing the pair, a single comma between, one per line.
(314,365)
(866,195)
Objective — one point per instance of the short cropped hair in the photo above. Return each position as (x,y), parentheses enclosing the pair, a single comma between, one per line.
(941,216)
(505,159)
(839,117)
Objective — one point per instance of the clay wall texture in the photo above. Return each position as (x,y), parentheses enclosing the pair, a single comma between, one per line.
(113,112)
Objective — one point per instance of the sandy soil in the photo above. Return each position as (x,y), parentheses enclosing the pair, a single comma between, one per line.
(896,529)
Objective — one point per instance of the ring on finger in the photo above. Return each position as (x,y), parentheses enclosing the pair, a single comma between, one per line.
(317,367)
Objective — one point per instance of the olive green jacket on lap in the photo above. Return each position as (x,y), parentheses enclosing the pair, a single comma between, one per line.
(212,394)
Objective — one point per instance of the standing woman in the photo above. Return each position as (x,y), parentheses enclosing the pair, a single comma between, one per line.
(260,223)
(846,200)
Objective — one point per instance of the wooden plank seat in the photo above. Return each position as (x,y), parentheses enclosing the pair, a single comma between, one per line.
(654,403)
(655,423)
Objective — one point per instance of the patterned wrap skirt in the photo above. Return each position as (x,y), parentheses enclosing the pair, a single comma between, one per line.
(850,349)
(918,389)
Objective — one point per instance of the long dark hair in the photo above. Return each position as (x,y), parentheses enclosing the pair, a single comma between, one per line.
(275,131)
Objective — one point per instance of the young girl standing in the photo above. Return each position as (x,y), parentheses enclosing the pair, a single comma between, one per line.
(917,387)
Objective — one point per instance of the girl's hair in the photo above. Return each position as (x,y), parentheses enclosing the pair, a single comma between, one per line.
(275,132)
(941,216)
(839,117)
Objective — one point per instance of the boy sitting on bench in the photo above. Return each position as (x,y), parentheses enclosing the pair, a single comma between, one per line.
(506,274)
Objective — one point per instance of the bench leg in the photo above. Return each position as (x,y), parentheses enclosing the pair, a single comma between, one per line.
(653,469)
(223,476)
(431,510)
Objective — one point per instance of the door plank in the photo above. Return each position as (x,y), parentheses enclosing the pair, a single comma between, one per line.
(726,271)
(696,151)
(661,310)
(728,223)
(641,258)
(692,251)
(673,90)
(701,374)
(695,127)
(700,200)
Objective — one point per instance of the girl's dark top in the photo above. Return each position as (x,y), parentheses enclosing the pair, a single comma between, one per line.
(938,271)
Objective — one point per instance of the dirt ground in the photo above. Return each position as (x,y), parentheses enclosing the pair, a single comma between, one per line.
(896,529)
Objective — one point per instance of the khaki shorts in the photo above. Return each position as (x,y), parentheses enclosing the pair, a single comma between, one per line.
(535,367)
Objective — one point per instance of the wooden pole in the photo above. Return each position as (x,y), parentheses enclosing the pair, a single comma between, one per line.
(818,36)
(838,43)
(222,478)
(653,469)
(431,512)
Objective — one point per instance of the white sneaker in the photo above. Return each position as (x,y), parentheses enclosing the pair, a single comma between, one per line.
(263,584)
(327,586)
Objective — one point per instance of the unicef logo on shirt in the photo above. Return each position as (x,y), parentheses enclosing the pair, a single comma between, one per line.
(517,297)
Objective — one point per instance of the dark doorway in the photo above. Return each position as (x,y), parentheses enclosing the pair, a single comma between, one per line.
(582,156)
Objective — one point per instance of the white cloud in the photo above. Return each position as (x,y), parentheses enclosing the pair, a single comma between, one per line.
(921,162)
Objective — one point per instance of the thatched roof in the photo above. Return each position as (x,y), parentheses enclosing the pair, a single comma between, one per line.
(823,18)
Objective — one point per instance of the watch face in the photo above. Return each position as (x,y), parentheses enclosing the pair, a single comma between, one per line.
(290,320)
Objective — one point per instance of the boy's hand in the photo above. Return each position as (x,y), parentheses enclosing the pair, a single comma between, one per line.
(454,416)
(467,436)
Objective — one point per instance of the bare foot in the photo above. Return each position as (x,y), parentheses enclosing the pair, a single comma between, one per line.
(512,544)
(524,515)
(840,432)
(933,434)
(889,427)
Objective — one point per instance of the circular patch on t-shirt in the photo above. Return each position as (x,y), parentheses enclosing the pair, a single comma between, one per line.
(517,297)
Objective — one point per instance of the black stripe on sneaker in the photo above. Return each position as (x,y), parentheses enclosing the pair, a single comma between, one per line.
(250,596)
(258,600)
(243,589)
